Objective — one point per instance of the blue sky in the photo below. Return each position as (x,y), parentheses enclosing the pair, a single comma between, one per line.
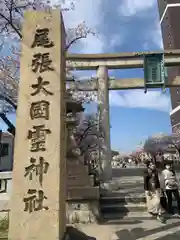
(124,26)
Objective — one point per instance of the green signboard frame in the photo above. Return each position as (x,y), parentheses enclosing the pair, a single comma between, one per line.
(155,74)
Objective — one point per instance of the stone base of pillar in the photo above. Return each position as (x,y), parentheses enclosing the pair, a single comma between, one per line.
(83,212)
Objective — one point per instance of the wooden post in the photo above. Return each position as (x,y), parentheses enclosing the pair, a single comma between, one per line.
(39,195)
(104,125)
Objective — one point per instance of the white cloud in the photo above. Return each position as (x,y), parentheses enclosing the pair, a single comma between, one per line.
(154,37)
(116,40)
(133,7)
(154,100)
(93,44)
(91,12)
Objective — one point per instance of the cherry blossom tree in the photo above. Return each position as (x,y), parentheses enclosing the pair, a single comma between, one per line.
(176,138)
(11,18)
(87,137)
(156,145)
(136,155)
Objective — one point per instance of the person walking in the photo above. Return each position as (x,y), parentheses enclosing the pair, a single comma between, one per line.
(171,186)
(152,192)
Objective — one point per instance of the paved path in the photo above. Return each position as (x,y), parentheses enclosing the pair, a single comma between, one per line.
(132,172)
(137,225)
(131,179)
(138,228)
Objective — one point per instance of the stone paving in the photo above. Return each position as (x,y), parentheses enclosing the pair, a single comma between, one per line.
(140,227)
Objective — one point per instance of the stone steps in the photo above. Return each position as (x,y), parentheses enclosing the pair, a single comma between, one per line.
(128,202)
(123,208)
(123,199)
(130,198)
(114,217)
(118,207)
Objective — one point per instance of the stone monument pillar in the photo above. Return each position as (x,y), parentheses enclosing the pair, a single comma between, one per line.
(38,200)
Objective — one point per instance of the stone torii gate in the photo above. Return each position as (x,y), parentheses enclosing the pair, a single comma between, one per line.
(38,201)
(102,84)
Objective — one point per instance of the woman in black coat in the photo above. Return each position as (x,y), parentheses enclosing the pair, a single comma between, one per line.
(152,191)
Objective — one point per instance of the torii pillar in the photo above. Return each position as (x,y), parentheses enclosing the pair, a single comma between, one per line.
(104,125)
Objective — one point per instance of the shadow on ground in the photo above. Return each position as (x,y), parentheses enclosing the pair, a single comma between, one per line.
(74,234)
(140,233)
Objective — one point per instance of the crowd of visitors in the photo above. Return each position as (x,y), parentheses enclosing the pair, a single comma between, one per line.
(160,185)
